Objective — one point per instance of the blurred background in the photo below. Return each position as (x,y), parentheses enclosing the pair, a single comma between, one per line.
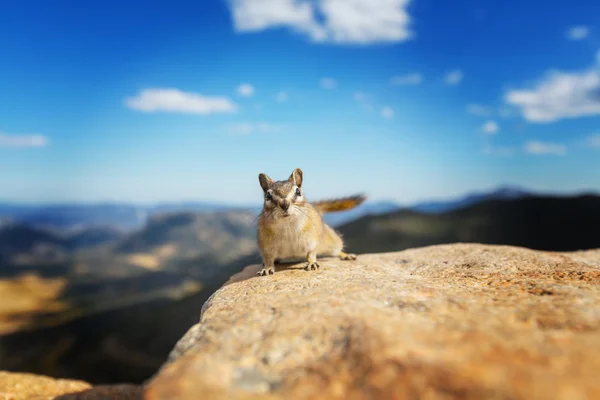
(132,134)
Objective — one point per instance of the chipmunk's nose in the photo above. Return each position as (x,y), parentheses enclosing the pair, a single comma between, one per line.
(284,204)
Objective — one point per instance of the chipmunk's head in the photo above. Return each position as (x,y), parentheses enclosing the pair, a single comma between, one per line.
(283,197)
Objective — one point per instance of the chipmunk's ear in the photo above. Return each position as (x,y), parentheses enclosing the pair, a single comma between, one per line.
(296,177)
(265,181)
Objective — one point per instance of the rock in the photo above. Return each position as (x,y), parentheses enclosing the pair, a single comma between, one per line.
(441,322)
(23,386)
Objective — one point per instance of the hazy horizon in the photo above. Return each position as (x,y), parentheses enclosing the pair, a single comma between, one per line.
(258,202)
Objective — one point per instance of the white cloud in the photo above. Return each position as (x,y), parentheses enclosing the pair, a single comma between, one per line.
(479,110)
(282,97)
(327,21)
(543,148)
(490,128)
(7,140)
(245,90)
(246,128)
(454,77)
(387,112)
(328,83)
(559,95)
(406,80)
(175,100)
(578,32)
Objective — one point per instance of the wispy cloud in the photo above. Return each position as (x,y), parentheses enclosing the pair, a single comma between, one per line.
(407,80)
(328,83)
(8,140)
(177,101)
(245,90)
(578,32)
(479,110)
(327,21)
(387,112)
(490,128)
(282,97)
(559,95)
(545,148)
(245,128)
(455,77)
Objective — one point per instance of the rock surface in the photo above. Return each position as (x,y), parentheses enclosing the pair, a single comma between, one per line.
(441,322)
(21,386)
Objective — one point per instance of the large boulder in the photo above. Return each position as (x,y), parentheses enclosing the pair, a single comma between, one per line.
(441,322)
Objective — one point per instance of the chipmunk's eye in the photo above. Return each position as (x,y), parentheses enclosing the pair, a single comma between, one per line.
(298,192)
(268,196)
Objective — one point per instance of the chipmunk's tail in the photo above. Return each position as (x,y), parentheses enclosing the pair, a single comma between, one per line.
(341,204)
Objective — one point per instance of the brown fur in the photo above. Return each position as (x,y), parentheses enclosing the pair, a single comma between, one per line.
(290,228)
(335,205)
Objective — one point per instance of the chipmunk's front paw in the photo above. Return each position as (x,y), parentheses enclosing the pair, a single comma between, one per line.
(312,266)
(266,271)
(347,256)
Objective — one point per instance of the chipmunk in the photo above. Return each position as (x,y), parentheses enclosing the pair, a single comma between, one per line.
(290,228)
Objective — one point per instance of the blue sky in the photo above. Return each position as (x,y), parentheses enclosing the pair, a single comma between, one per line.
(406,100)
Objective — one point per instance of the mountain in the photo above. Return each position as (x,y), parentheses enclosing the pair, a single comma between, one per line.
(501,193)
(537,222)
(93,237)
(76,217)
(434,206)
(23,244)
(71,218)
(101,267)
(185,235)
(119,301)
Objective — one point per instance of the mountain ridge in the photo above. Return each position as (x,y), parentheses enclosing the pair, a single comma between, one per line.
(126,217)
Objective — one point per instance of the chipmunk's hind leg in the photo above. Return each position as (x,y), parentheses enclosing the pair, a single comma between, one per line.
(333,244)
(346,256)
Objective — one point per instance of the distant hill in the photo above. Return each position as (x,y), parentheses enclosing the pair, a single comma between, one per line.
(76,217)
(35,245)
(186,234)
(433,206)
(125,217)
(93,237)
(536,222)
(138,291)
(25,245)
(501,193)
